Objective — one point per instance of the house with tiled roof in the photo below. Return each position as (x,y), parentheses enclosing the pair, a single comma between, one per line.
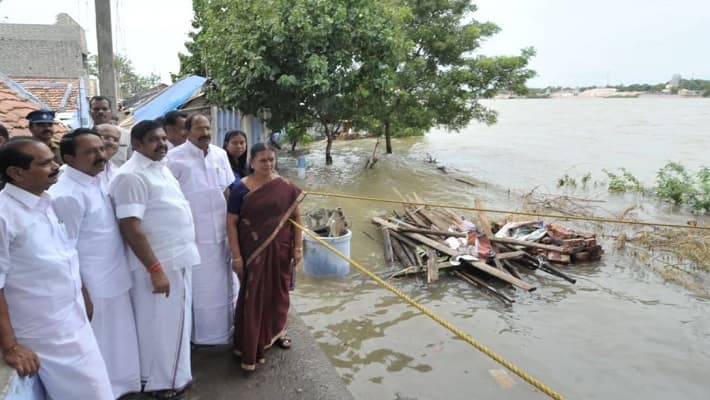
(51,63)
(15,104)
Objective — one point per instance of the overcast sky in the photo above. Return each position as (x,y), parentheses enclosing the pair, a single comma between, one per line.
(578,43)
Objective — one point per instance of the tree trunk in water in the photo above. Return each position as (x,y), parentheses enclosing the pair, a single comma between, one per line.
(388,137)
(329,137)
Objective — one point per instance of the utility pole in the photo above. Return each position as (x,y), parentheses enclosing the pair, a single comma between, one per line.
(104,40)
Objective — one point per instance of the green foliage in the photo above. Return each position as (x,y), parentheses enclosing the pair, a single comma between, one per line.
(700,199)
(394,66)
(642,87)
(438,78)
(586,180)
(129,81)
(566,181)
(302,59)
(570,182)
(624,182)
(297,133)
(699,85)
(674,183)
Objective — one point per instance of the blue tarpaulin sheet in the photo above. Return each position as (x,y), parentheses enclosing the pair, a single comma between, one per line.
(170,99)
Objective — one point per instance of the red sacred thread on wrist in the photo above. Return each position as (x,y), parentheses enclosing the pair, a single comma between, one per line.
(154,268)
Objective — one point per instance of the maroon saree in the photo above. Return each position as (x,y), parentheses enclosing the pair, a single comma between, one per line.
(266,243)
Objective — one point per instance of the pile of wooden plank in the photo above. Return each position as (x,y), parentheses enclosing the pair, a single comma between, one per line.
(420,239)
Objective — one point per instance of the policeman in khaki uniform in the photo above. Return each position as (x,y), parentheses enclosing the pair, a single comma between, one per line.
(42,127)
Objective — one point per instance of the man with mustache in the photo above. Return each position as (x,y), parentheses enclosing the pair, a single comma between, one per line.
(111,137)
(101,113)
(157,224)
(205,174)
(44,329)
(42,127)
(87,213)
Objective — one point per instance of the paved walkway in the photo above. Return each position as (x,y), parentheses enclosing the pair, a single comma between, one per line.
(300,373)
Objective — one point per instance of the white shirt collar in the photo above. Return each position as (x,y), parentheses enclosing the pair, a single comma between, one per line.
(28,199)
(145,162)
(79,176)
(194,150)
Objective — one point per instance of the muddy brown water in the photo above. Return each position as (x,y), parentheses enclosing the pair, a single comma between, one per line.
(621,332)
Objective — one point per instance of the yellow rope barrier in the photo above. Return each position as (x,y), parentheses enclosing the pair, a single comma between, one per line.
(498,211)
(461,334)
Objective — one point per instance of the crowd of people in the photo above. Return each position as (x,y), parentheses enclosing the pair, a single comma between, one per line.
(120,250)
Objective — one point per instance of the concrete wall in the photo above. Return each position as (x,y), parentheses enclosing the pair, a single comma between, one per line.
(43,51)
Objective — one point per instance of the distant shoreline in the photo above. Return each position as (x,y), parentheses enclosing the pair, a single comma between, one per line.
(554,96)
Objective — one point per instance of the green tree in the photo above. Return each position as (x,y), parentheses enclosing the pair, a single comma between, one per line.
(305,60)
(440,79)
(130,82)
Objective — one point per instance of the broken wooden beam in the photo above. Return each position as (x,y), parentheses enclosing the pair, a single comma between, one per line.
(504,276)
(434,233)
(442,248)
(432,271)
(510,254)
(474,280)
(527,243)
(387,242)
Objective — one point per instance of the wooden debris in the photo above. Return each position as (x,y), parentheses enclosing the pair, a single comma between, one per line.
(420,238)
(432,270)
(387,242)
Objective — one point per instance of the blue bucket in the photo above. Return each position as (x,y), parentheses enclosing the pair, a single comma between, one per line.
(319,260)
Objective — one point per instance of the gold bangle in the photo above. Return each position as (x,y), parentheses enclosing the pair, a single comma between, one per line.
(236,259)
(298,249)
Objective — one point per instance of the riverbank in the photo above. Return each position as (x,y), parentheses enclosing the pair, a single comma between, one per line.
(300,373)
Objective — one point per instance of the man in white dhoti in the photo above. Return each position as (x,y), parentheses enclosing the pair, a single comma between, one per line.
(156,222)
(87,213)
(44,328)
(205,174)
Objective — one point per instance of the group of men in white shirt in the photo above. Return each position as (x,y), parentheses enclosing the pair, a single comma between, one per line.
(107,275)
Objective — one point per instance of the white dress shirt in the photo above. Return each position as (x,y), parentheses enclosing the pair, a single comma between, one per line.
(107,176)
(145,189)
(39,267)
(203,179)
(88,215)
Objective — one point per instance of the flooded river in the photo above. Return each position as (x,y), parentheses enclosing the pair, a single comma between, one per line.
(621,332)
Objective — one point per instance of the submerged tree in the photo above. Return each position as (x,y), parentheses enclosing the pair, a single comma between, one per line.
(440,80)
(390,65)
(301,59)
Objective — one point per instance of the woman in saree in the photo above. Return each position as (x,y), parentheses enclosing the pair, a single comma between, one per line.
(265,248)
